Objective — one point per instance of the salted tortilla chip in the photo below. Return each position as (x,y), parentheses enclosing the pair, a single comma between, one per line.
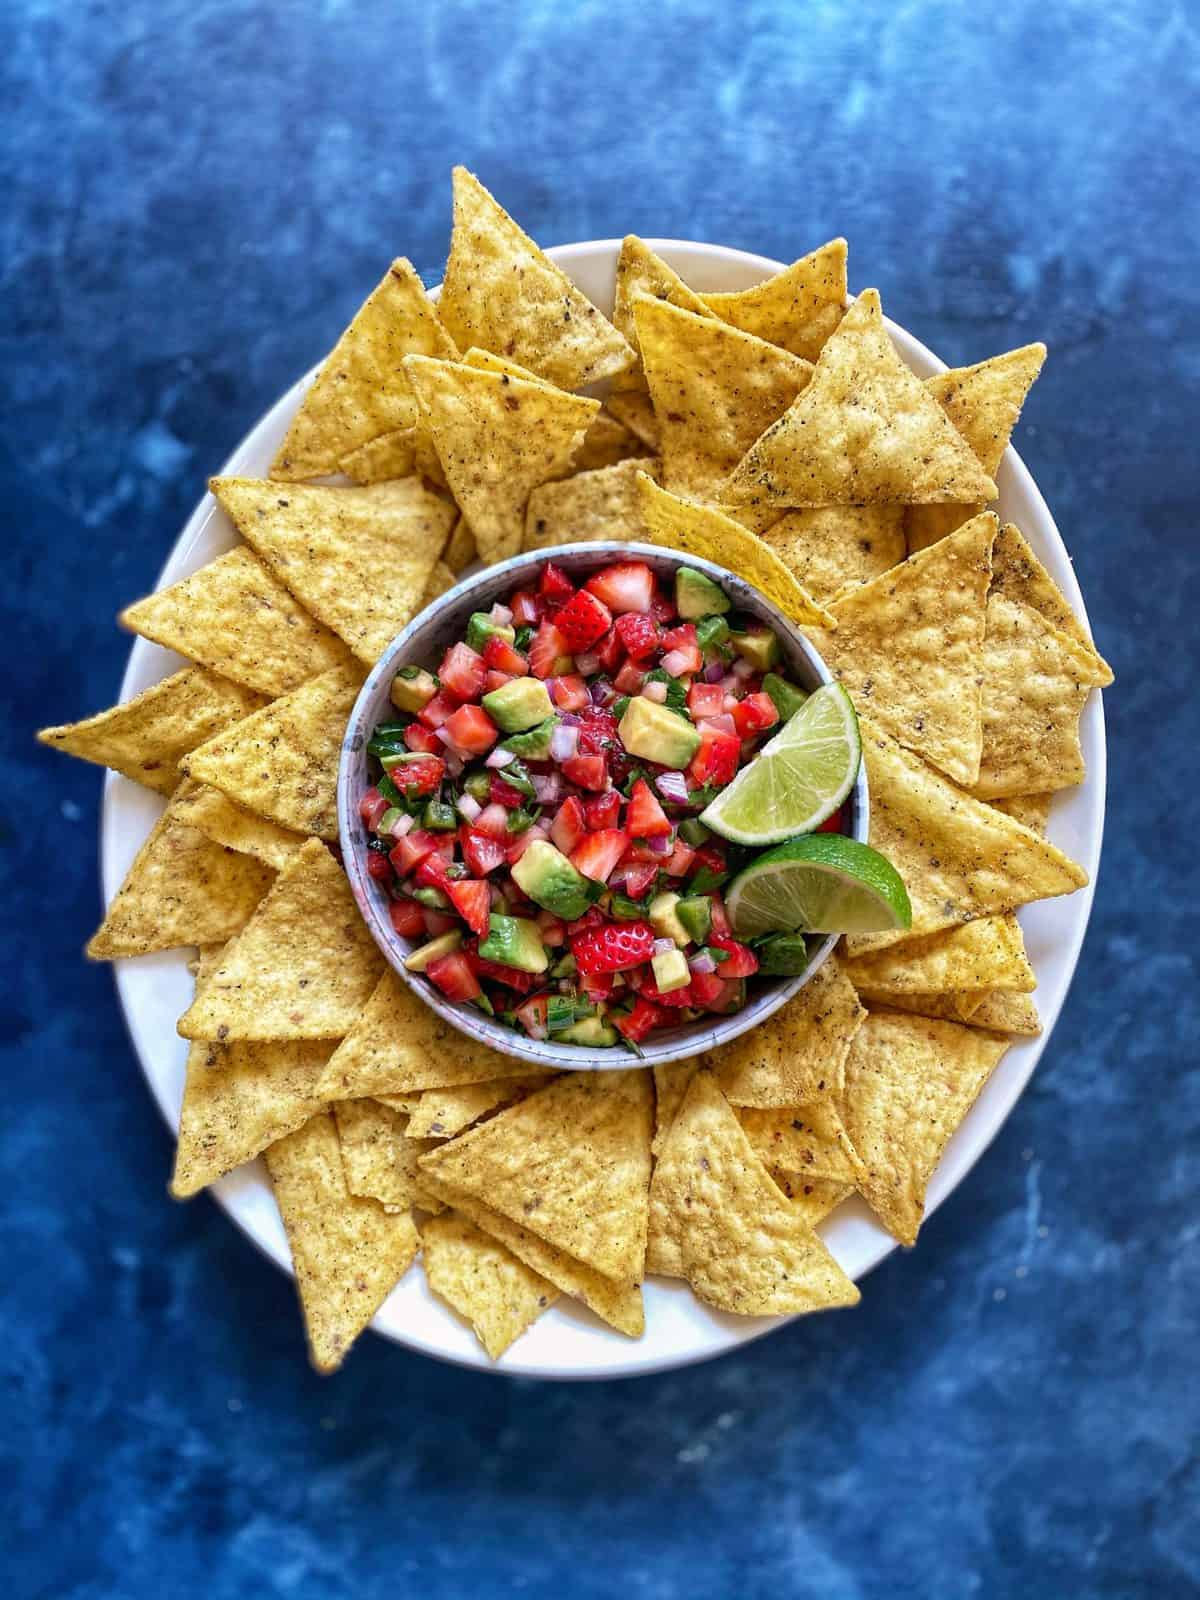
(145,738)
(988,953)
(714,391)
(220,820)
(670,1086)
(485,1283)
(359,559)
(461,548)
(805,1139)
(592,505)
(502,293)
(181,889)
(958,857)
(498,438)
(718,1220)
(606,442)
(348,1253)
(635,411)
(281,762)
(706,532)
(441,1113)
(947,1007)
(1031,809)
(1019,576)
(441,579)
(407,1104)
(910,1081)
(641,272)
(391,455)
(863,430)
(829,549)
(378,1157)
(303,967)
(571,1163)
(812,1199)
(794,1057)
(1008,1013)
(909,648)
(798,308)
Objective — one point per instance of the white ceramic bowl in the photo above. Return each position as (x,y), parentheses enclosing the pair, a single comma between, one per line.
(568,1342)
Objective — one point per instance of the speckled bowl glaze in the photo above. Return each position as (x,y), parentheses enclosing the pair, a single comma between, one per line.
(423,642)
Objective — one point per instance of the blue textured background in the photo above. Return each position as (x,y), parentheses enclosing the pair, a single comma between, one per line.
(196,196)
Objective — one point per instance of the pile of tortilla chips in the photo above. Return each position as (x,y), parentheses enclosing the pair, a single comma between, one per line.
(776,431)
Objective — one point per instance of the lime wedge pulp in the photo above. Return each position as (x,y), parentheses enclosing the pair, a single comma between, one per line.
(798,779)
(824,883)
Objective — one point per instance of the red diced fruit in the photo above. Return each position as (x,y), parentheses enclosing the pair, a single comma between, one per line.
(372,807)
(434,712)
(410,851)
(568,827)
(613,947)
(638,878)
(742,963)
(500,656)
(706,700)
(676,999)
(662,609)
(638,633)
(716,908)
(548,652)
(831,824)
(597,731)
(438,922)
(471,730)
(707,988)
(462,671)
(644,1017)
(423,741)
(645,819)
(712,856)
(503,794)
(716,761)
(679,862)
(492,820)
(431,871)
(752,715)
(470,898)
(552,929)
(677,638)
(526,608)
(408,918)
(630,679)
(378,867)
(597,854)
(419,775)
(602,810)
(495,680)
(591,918)
(555,586)
(480,851)
(609,651)
(597,985)
(627,586)
(582,621)
(589,772)
(639,852)
(569,693)
(453,976)
(533,1016)
(511,977)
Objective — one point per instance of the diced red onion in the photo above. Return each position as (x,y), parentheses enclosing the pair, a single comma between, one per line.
(720,724)
(402,825)
(586,664)
(729,683)
(469,807)
(564,742)
(655,691)
(702,962)
(663,844)
(675,663)
(547,787)
(661,946)
(570,720)
(617,880)
(744,669)
(440,733)
(500,758)
(500,615)
(454,764)
(672,786)
(715,671)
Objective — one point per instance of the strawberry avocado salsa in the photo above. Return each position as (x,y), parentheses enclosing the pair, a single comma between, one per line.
(535,818)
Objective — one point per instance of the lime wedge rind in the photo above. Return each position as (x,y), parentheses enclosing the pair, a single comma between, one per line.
(823,883)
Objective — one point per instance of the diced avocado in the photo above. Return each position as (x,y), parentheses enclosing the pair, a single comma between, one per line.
(433,899)
(560,1013)
(623,909)
(694,914)
(413,688)
(534,745)
(481,628)
(783,955)
(514,942)
(434,950)
(784,696)
(697,596)
(592,1030)
(518,704)
(439,817)
(758,646)
(479,786)
(705,878)
(655,733)
(564,967)
(671,970)
(711,632)
(663,918)
(692,831)
(547,877)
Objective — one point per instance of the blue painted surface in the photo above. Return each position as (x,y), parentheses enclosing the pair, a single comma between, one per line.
(196,196)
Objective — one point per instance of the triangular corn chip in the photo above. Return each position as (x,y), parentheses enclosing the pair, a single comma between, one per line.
(909,1083)
(718,1220)
(811,1199)
(604,504)
(441,579)
(282,761)
(348,1253)
(798,308)
(706,532)
(303,967)
(379,1158)
(145,738)
(485,1283)
(391,455)
(804,1139)
(498,438)
(828,549)
(1008,1013)
(460,549)
(502,293)
(571,1163)
(359,559)
(635,411)
(714,391)
(946,1007)
(959,858)
(794,1057)
(441,1113)
(864,429)
(361,391)
(670,1086)
(220,820)
(909,648)
(988,953)
(640,271)
(1031,809)
(1018,575)
(606,442)
(406,1104)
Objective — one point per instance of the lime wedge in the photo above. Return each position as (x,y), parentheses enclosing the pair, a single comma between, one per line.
(796,780)
(821,884)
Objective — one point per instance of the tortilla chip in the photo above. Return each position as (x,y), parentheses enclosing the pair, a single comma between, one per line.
(348,1253)
(714,391)
(635,411)
(302,968)
(145,738)
(909,648)
(812,1199)
(1019,576)
(485,1283)
(959,858)
(988,953)
(798,308)
(359,559)
(441,1113)
(606,442)
(281,762)
(181,889)
(641,272)
(406,1104)
(392,455)
(863,430)
(498,438)
(670,1087)
(461,548)
(502,293)
(706,532)
(1008,1013)
(360,391)
(809,1140)
(592,505)
(830,549)
(910,1081)
(224,823)
(442,580)
(378,1157)
(571,1163)
(718,1220)
(1031,809)
(794,1057)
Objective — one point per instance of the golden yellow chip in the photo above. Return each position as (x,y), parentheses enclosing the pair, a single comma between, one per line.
(442,579)
(798,308)
(1008,1013)
(988,953)
(796,1056)
(714,391)
(635,411)
(947,1007)
(641,272)
(959,858)
(811,1199)
(498,438)
(606,442)
(281,762)
(706,532)
(864,430)
(461,548)
(181,889)
(378,1157)
(592,505)
(1019,576)
(670,1085)
(348,1253)
(829,549)
(407,1104)
(809,1140)
(303,967)
(392,455)
(359,559)
(502,293)
(145,738)
(485,1283)
(1031,809)
(441,1113)
(910,1081)
(718,1220)
(571,1163)
(220,820)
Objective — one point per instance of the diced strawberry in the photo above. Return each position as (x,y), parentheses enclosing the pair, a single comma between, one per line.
(527,609)
(410,851)
(676,999)
(418,775)
(640,853)
(662,609)
(742,963)
(480,851)
(469,897)
(706,988)
(712,856)
(569,693)
(372,806)
(602,810)
(520,842)
(589,772)
(716,761)
(462,671)
(379,867)
(434,712)
(582,621)
(500,656)
(705,700)
(568,827)
(453,976)
(422,740)
(679,863)
(718,913)
(503,794)
(645,818)
(638,633)
(495,680)
(555,587)
(613,946)
(493,821)
(511,977)
(548,652)
(643,1019)
(627,586)
(639,878)
(610,651)
(471,730)
(630,678)
(597,985)
(532,1014)
(446,845)
(832,824)
(597,854)
(677,638)
(597,731)
(438,922)
(431,871)
(753,714)
(593,917)
(683,661)
(408,918)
